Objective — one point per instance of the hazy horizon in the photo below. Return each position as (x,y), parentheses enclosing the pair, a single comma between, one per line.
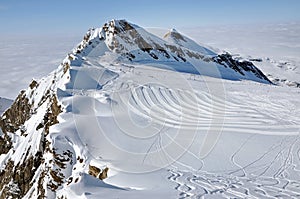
(73,17)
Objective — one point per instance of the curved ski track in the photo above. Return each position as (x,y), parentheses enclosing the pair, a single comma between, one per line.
(187,109)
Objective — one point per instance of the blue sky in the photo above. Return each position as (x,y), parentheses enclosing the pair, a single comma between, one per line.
(65,16)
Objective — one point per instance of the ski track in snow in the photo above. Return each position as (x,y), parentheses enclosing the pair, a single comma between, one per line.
(269,174)
(190,110)
(251,180)
(206,185)
(248,185)
(259,177)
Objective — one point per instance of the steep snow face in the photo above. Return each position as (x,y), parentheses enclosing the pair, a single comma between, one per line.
(121,119)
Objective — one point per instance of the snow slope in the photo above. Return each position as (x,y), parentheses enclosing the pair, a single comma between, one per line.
(196,124)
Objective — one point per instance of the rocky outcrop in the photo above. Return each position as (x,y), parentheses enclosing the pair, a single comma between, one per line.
(174,34)
(97,172)
(5,144)
(17,178)
(13,118)
(59,163)
(239,66)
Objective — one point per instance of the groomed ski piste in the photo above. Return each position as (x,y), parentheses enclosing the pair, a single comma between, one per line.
(164,128)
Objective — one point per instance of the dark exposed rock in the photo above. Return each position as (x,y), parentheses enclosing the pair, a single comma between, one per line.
(129,33)
(61,159)
(161,50)
(194,55)
(21,175)
(123,26)
(174,34)
(239,66)
(98,173)
(175,49)
(16,180)
(66,67)
(5,176)
(5,144)
(33,84)
(256,60)
(41,190)
(70,180)
(103,174)
(94,171)
(57,178)
(16,115)
(182,58)
(87,36)
(60,162)
(51,115)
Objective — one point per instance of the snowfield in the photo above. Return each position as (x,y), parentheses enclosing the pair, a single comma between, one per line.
(164,133)
(168,118)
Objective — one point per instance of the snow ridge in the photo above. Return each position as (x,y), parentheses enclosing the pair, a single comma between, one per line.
(129,42)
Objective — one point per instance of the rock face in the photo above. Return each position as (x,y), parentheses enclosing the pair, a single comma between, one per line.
(25,165)
(17,177)
(239,66)
(16,115)
(98,173)
(37,158)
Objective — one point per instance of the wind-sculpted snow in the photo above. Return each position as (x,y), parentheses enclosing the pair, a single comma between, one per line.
(191,125)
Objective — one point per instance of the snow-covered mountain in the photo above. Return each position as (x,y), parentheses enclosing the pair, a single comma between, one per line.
(131,42)
(128,114)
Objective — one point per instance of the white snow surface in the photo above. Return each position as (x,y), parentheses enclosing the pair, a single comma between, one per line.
(168,133)
(171,135)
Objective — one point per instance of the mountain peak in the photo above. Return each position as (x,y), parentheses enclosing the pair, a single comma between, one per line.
(119,25)
(173,30)
(174,34)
